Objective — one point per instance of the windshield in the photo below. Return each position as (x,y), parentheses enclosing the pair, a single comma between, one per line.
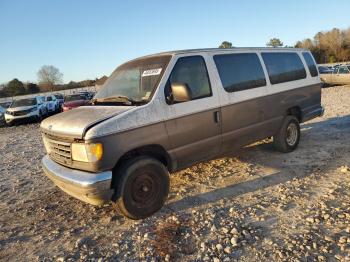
(58,96)
(74,98)
(24,102)
(135,80)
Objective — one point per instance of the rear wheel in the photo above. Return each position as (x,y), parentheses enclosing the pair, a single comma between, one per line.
(142,187)
(287,138)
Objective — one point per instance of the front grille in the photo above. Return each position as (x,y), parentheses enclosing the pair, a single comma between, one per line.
(21,113)
(58,150)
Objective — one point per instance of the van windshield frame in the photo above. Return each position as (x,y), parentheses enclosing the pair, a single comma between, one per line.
(136,80)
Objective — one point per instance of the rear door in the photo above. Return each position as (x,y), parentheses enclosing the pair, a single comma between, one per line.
(194,127)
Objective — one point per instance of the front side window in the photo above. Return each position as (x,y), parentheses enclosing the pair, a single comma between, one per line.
(240,71)
(283,67)
(75,97)
(343,70)
(191,71)
(310,64)
(135,81)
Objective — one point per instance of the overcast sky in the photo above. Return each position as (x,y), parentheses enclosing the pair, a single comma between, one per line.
(88,39)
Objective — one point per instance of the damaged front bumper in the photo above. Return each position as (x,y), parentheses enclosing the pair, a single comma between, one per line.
(93,188)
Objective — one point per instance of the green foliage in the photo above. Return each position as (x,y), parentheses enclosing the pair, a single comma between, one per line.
(225,44)
(274,42)
(14,88)
(31,88)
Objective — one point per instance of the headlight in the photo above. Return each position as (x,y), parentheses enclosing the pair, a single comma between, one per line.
(8,112)
(87,152)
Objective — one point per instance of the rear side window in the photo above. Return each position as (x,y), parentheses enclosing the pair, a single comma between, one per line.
(192,71)
(283,67)
(310,64)
(240,71)
(343,70)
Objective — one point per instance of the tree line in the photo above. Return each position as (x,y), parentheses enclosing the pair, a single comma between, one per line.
(329,46)
(49,79)
(326,46)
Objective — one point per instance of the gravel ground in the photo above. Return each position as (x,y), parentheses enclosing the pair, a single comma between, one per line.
(259,206)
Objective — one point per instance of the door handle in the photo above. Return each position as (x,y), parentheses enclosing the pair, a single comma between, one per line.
(217,117)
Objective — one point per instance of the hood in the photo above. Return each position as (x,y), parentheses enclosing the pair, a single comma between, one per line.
(76,122)
(20,108)
(75,103)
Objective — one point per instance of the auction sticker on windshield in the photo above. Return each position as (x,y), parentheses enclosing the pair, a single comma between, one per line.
(151,72)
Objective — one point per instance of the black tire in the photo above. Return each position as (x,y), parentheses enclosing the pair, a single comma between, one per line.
(287,138)
(39,118)
(142,187)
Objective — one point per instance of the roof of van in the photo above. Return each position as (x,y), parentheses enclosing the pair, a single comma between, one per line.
(186,51)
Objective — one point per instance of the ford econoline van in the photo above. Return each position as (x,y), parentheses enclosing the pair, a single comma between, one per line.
(168,111)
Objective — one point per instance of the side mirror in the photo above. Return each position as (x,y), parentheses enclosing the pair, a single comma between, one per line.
(180,92)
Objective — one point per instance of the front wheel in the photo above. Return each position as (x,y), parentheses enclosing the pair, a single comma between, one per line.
(142,187)
(287,138)
(39,117)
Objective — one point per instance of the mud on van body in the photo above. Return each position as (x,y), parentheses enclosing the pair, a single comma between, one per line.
(164,112)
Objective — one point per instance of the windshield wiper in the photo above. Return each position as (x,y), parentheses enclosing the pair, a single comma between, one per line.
(116,99)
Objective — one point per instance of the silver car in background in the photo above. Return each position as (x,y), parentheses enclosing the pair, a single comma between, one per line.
(21,109)
(339,76)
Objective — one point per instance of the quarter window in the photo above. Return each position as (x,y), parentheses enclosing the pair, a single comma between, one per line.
(310,64)
(240,71)
(343,70)
(283,67)
(191,71)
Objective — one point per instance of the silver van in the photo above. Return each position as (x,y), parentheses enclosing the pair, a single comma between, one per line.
(165,112)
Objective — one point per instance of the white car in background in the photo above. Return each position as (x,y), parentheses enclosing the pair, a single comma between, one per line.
(52,104)
(60,99)
(27,108)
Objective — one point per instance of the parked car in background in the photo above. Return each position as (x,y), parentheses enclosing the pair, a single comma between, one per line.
(325,70)
(73,101)
(28,108)
(340,76)
(2,116)
(60,99)
(89,95)
(5,104)
(52,104)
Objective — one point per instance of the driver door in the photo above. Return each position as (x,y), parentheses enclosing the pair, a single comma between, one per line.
(194,127)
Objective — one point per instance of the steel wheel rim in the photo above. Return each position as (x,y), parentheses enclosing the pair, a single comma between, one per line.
(292,134)
(144,190)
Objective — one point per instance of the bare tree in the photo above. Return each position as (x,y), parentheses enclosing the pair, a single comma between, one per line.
(49,76)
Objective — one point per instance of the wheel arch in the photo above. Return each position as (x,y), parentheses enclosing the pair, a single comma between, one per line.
(156,151)
(295,111)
